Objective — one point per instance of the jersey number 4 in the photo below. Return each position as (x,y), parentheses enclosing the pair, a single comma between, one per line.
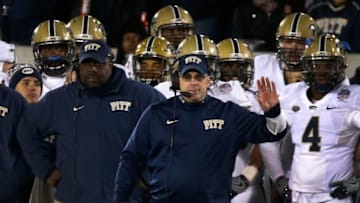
(311,135)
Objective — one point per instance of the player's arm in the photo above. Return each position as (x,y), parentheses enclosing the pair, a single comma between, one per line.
(241,183)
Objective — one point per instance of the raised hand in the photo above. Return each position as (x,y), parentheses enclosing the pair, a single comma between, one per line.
(268,96)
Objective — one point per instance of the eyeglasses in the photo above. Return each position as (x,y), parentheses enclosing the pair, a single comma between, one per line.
(189,77)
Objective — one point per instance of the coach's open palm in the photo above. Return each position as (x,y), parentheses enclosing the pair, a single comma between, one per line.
(268,96)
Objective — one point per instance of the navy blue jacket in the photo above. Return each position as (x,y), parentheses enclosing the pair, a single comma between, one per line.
(89,129)
(189,149)
(12,107)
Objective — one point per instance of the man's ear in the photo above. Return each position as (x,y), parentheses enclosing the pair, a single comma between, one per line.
(208,81)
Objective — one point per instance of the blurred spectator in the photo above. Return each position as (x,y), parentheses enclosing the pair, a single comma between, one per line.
(121,13)
(133,33)
(339,17)
(292,6)
(256,21)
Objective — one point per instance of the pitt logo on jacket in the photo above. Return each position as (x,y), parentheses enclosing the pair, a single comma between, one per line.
(3,111)
(120,105)
(213,124)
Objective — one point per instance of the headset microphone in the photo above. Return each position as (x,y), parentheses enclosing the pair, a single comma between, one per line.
(185,94)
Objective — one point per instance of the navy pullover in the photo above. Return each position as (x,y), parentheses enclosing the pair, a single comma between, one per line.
(89,129)
(189,149)
(12,165)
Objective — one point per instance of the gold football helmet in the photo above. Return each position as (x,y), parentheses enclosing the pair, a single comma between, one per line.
(325,60)
(172,22)
(200,45)
(236,61)
(294,32)
(56,40)
(86,28)
(158,49)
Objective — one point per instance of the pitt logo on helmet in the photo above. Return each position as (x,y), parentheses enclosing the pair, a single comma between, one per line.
(192,59)
(92,47)
(213,124)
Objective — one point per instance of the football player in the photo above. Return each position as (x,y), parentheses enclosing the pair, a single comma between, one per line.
(294,32)
(236,63)
(53,49)
(172,22)
(152,59)
(324,117)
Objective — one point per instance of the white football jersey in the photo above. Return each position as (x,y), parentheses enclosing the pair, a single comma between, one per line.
(268,65)
(324,133)
(230,91)
(50,83)
(233,91)
(128,67)
(164,88)
(129,72)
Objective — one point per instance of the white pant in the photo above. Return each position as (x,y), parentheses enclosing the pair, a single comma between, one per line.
(300,197)
(252,194)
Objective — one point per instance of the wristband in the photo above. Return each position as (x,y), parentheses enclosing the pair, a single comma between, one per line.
(250,172)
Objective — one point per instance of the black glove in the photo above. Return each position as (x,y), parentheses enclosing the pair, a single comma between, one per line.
(345,188)
(283,189)
(239,184)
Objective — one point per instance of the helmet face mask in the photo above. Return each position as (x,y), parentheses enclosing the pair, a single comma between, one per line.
(175,33)
(324,63)
(152,71)
(236,61)
(324,75)
(292,35)
(236,70)
(151,60)
(290,52)
(53,47)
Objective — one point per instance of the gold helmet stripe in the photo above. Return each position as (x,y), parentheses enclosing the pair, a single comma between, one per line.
(85,24)
(150,43)
(52,28)
(295,23)
(235,45)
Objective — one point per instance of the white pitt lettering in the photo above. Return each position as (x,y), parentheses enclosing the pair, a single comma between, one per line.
(3,111)
(192,59)
(120,105)
(92,47)
(213,124)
